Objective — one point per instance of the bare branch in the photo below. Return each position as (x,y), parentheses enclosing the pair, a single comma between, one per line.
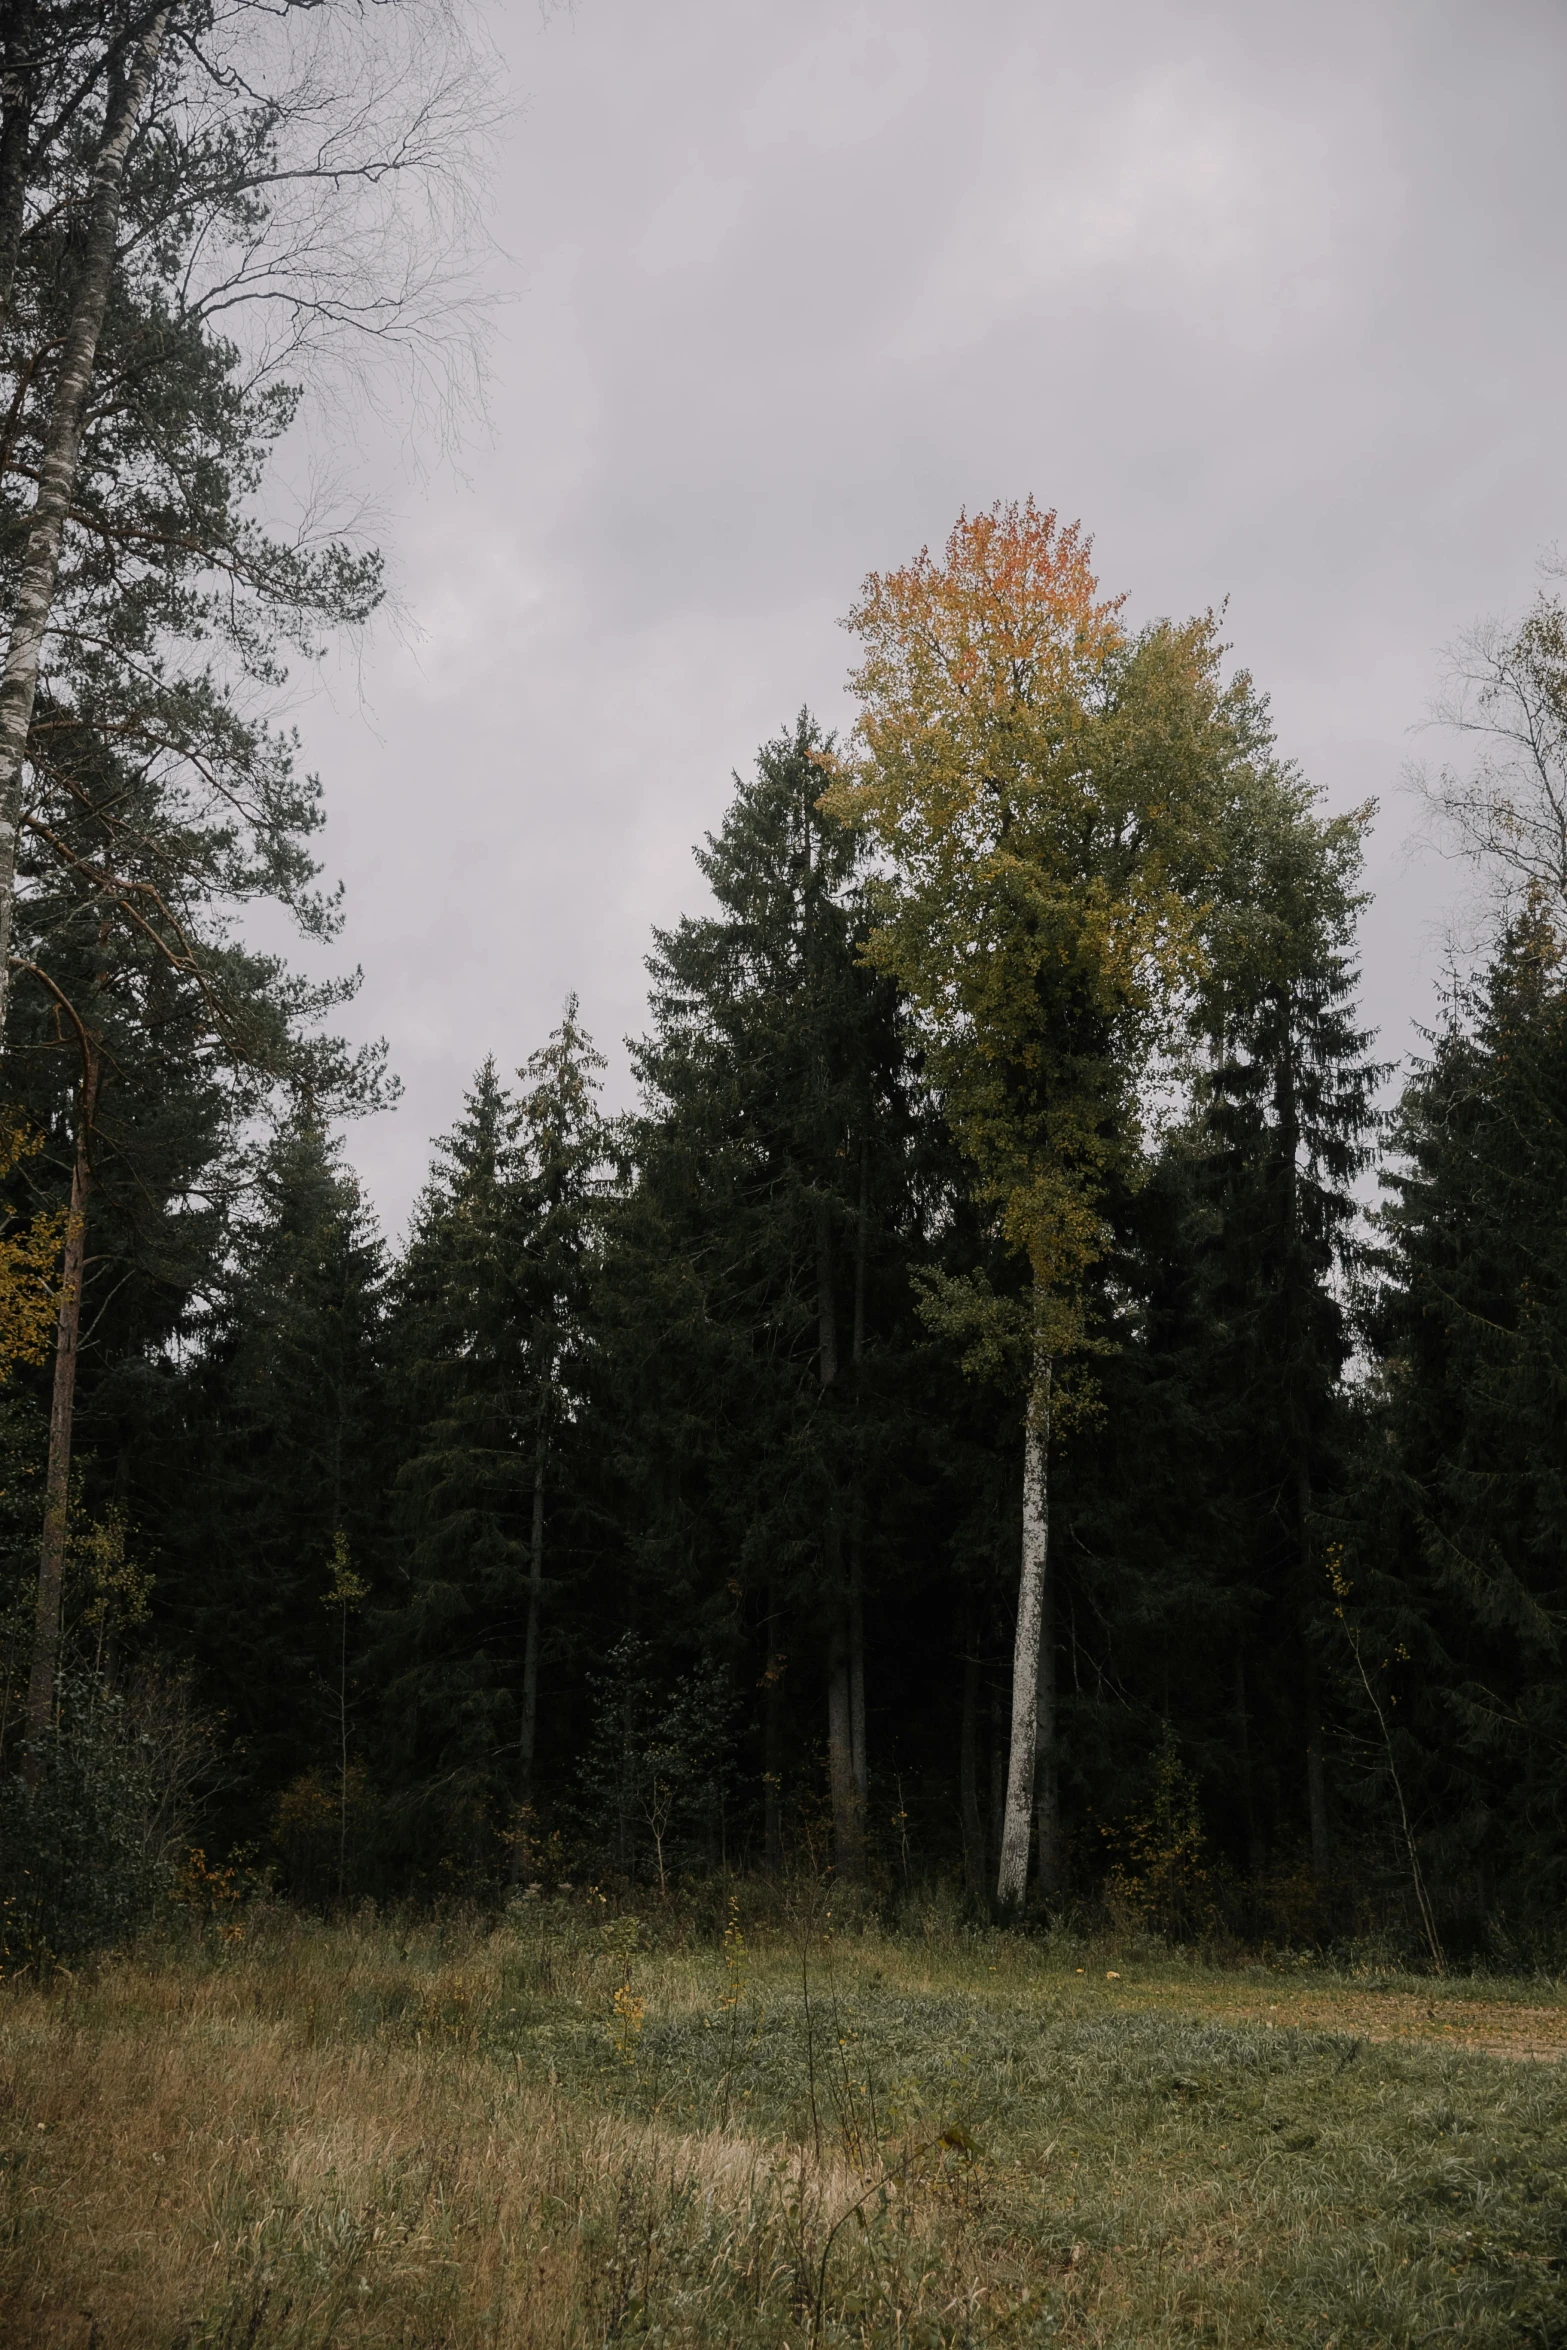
(1505,812)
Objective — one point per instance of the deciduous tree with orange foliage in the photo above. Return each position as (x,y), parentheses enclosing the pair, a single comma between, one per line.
(1054,795)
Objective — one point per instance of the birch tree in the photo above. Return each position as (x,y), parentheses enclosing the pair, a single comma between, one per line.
(1048,792)
(1504,812)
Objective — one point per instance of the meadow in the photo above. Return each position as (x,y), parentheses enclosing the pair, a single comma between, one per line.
(579,2128)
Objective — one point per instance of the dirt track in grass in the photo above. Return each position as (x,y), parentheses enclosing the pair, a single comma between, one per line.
(1487,2027)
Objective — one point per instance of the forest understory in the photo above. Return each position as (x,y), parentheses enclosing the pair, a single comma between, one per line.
(577,2126)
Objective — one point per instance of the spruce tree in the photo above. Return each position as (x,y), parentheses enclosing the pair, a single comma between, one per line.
(263,1460)
(1198,1498)
(1286,1107)
(493,1349)
(1455,1567)
(760,1264)
(464,1488)
(563,1169)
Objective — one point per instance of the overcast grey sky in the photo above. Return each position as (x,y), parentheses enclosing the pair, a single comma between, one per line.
(1272,296)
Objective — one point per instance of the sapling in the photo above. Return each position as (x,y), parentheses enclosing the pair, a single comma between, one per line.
(347,1593)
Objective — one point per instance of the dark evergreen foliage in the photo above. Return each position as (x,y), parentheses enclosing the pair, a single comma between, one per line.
(273,1448)
(1455,1567)
(640,1517)
(493,1350)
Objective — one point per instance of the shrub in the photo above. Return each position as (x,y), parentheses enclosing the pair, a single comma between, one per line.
(90,1842)
(1158,1881)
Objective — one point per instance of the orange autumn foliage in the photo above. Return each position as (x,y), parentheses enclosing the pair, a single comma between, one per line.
(29,1261)
(1048,791)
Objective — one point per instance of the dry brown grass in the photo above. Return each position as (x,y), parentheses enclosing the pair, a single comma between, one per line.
(357,2136)
(1526,2032)
(194,2156)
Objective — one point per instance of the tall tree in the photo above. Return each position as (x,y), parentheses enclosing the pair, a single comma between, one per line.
(127,88)
(773,1180)
(563,1169)
(263,1455)
(1051,796)
(493,1344)
(174,177)
(134,987)
(1505,811)
(460,1350)
(1454,1555)
(1286,1104)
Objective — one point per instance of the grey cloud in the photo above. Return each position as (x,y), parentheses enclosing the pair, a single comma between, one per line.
(1272,296)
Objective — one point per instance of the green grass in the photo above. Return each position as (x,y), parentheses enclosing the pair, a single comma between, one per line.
(1343,2190)
(367,2135)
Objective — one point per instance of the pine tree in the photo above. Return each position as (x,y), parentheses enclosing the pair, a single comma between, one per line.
(194,202)
(148,1040)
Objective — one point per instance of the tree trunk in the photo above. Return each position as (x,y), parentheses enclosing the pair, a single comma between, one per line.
(857,1761)
(1012,1876)
(342,1748)
(848,1822)
(530,1653)
(40,566)
(1316,1780)
(1047,1802)
(16,87)
(847,1819)
(826,1303)
(772,1743)
(57,1481)
(998,1764)
(974,1870)
(1243,1755)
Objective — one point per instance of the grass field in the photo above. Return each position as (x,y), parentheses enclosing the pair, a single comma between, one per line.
(547,2134)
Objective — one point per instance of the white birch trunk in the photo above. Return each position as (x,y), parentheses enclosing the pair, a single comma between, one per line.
(1046,1794)
(40,568)
(1017,1822)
